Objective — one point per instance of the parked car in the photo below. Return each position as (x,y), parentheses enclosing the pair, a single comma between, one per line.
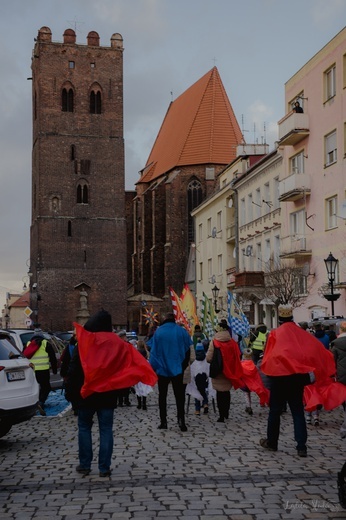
(21,338)
(332,321)
(64,336)
(18,386)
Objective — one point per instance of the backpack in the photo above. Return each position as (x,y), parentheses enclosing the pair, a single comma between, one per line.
(216,365)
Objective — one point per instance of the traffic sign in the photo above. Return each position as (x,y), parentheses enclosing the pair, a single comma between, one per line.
(27,311)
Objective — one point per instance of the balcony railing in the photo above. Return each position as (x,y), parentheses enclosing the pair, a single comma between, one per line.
(295,247)
(294,187)
(293,128)
(249,279)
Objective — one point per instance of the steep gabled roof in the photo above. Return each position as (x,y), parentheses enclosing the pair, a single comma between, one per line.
(22,301)
(199,128)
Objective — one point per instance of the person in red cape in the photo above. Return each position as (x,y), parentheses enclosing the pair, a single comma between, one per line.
(292,359)
(253,381)
(101,365)
(232,371)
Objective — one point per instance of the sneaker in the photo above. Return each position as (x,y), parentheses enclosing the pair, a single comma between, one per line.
(316,422)
(197,412)
(83,471)
(105,473)
(302,453)
(264,443)
(221,419)
(248,410)
(206,409)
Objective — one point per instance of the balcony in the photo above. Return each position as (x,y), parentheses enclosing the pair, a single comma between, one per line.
(293,128)
(295,247)
(230,233)
(294,187)
(250,279)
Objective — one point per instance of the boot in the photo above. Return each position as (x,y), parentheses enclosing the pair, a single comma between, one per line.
(139,405)
(144,403)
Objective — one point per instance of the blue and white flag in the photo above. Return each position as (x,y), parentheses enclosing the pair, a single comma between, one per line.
(236,318)
(209,318)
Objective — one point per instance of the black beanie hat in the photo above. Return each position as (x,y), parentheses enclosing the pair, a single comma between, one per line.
(99,322)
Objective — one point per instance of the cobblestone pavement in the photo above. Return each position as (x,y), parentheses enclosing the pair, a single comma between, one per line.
(213,471)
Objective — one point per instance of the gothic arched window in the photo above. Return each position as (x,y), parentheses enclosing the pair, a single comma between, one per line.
(82,194)
(194,199)
(95,102)
(67,100)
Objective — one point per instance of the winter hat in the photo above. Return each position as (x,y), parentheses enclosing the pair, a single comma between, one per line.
(247,354)
(200,353)
(285,313)
(99,322)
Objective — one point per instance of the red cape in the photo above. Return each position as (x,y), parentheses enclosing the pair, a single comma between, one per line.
(232,368)
(109,363)
(253,381)
(292,350)
(328,394)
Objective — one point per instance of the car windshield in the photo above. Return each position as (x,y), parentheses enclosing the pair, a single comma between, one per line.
(7,350)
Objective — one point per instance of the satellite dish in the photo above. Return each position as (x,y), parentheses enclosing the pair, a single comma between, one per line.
(235,252)
(230,202)
(343,209)
(214,232)
(248,250)
(213,279)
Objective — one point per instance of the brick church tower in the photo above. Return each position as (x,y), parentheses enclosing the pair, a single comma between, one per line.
(78,226)
(197,139)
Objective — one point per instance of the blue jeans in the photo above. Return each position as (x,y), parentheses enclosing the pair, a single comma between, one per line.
(85,422)
(287,389)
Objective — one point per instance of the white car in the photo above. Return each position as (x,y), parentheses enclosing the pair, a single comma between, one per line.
(18,386)
(21,338)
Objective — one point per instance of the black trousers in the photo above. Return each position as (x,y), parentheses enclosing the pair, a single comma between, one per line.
(43,379)
(223,400)
(179,394)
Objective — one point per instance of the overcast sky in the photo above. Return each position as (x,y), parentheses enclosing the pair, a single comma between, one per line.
(257,45)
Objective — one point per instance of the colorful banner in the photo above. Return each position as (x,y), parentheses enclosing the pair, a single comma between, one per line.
(236,318)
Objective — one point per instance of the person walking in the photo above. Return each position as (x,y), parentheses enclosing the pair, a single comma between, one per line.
(101,365)
(293,358)
(169,357)
(338,349)
(257,342)
(232,371)
(43,357)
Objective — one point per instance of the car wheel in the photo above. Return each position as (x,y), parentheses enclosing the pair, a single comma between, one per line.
(4,428)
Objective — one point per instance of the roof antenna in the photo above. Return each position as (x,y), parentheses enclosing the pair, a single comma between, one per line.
(214,60)
(242,127)
(75,22)
(172,95)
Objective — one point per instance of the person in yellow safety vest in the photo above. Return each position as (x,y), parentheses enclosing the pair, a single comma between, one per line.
(258,341)
(43,359)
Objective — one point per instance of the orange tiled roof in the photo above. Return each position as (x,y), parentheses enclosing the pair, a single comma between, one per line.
(199,128)
(23,300)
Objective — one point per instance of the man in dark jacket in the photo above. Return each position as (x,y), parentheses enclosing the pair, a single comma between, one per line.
(101,403)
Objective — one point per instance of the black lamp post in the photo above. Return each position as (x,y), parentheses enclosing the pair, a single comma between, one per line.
(331,264)
(215,290)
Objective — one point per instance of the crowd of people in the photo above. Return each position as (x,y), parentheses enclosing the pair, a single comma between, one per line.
(290,366)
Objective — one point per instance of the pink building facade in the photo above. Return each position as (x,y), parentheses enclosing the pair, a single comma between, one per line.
(312,184)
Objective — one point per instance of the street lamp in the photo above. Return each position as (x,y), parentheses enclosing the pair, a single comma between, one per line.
(215,290)
(331,264)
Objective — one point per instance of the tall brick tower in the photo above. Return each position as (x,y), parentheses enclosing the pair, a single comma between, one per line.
(78,226)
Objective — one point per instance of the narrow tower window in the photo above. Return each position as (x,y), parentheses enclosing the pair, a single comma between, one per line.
(82,194)
(95,102)
(67,100)
(69,229)
(73,152)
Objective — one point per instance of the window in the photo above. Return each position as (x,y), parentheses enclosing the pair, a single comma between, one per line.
(219,264)
(242,212)
(194,199)
(258,202)
(82,194)
(329,82)
(331,206)
(259,256)
(300,98)
(209,227)
(267,250)
(219,220)
(276,193)
(297,223)
(200,279)
(67,100)
(92,65)
(266,201)
(71,64)
(297,163)
(277,249)
(301,285)
(95,102)
(250,207)
(210,268)
(69,228)
(200,233)
(330,148)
